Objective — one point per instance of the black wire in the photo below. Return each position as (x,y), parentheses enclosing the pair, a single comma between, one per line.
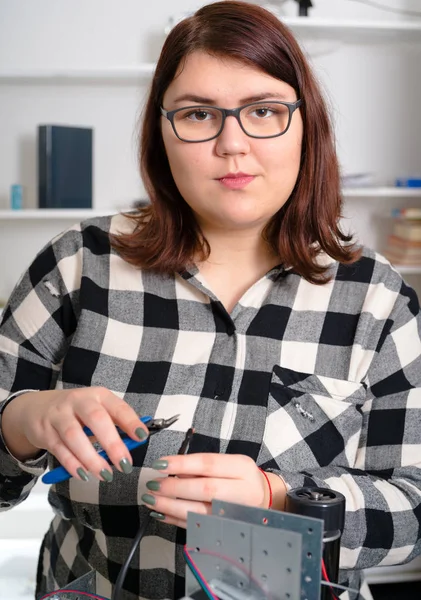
(397,11)
(142,529)
(125,567)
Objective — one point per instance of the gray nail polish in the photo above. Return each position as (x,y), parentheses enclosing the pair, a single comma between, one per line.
(141,434)
(148,499)
(126,466)
(154,486)
(156,515)
(160,464)
(82,474)
(106,475)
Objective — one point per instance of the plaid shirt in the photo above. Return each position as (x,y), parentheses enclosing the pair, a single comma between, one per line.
(320,384)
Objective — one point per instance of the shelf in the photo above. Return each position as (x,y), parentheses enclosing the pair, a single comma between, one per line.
(360,31)
(357,31)
(59,214)
(381,192)
(62,75)
(408,270)
(42,214)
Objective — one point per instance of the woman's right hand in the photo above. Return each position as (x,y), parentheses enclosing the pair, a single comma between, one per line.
(53,420)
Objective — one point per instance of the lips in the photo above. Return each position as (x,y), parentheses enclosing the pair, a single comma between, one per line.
(238,175)
(236,180)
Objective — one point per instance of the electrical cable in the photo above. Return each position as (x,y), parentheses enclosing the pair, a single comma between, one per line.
(327,580)
(341,587)
(123,571)
(397,11)
(207,590)
(198,575)
(142,529)
(229,560)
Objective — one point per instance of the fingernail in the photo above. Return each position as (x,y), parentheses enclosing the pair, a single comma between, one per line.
(156,515)
(160,464)
(154,486)
(106,475)
(148,499)
(82,474)
(141,434)
(126,466)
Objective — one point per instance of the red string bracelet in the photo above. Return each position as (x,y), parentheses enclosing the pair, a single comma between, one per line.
(269,486)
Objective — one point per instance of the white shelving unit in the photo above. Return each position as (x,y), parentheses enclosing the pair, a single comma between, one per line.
(41,214)
(60,214)
(382,192)
(345,31)
(364,32)
(356,31)
(123,73)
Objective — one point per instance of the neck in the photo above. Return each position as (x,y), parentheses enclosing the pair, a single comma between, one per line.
(239,249)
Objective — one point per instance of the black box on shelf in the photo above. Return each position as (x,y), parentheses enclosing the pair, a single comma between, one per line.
(64,166)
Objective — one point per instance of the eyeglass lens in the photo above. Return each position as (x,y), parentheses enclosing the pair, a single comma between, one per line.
(200,123)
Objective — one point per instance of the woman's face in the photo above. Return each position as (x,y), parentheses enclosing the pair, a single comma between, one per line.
(199,169)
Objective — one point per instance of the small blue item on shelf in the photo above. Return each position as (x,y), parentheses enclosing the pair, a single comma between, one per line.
(411,182)
(16,193)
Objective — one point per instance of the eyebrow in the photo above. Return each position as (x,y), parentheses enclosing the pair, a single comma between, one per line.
(247,100)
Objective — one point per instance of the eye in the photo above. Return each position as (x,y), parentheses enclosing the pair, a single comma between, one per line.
(262,111)
(198,115)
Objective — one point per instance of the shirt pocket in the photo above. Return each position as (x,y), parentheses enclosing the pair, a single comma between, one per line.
(312,421)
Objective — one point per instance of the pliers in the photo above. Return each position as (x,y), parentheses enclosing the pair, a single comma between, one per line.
(154,426)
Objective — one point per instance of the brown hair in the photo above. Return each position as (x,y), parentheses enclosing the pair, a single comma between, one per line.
(166,237)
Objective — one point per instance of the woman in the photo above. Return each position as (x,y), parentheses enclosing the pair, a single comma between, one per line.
(235,300)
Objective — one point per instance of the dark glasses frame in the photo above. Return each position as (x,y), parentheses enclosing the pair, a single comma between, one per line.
(231,112)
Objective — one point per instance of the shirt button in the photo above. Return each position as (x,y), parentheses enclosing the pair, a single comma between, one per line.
(219,392)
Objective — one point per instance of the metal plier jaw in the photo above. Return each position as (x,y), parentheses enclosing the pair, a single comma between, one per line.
(157,425)
(154,426)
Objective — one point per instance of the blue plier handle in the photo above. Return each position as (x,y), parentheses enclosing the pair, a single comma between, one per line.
(60,474)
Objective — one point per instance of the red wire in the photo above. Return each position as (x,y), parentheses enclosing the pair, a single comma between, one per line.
(186,550)
(326,578)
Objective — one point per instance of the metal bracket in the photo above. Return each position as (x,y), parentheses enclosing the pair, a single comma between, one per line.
(251,553)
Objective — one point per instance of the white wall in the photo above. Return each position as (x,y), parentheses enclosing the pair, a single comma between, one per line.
(374,92)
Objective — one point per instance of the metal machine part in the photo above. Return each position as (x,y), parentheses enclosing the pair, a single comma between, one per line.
(247,553)
(328,505)
(251,553)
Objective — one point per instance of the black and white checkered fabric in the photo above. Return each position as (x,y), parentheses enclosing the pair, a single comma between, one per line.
(321,384)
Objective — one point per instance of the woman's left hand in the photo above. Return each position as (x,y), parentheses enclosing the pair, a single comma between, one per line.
(200,478)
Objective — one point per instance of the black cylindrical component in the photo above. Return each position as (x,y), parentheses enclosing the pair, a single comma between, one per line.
(329,506)
(303,6)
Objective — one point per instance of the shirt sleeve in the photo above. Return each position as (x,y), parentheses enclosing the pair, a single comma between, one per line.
(383,491)
(37,323)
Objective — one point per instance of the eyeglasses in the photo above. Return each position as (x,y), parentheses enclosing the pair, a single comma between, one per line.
(257,120)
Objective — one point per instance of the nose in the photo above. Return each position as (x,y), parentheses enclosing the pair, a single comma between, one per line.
(232,139)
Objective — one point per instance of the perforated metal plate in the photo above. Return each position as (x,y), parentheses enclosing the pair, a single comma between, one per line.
(269,553)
